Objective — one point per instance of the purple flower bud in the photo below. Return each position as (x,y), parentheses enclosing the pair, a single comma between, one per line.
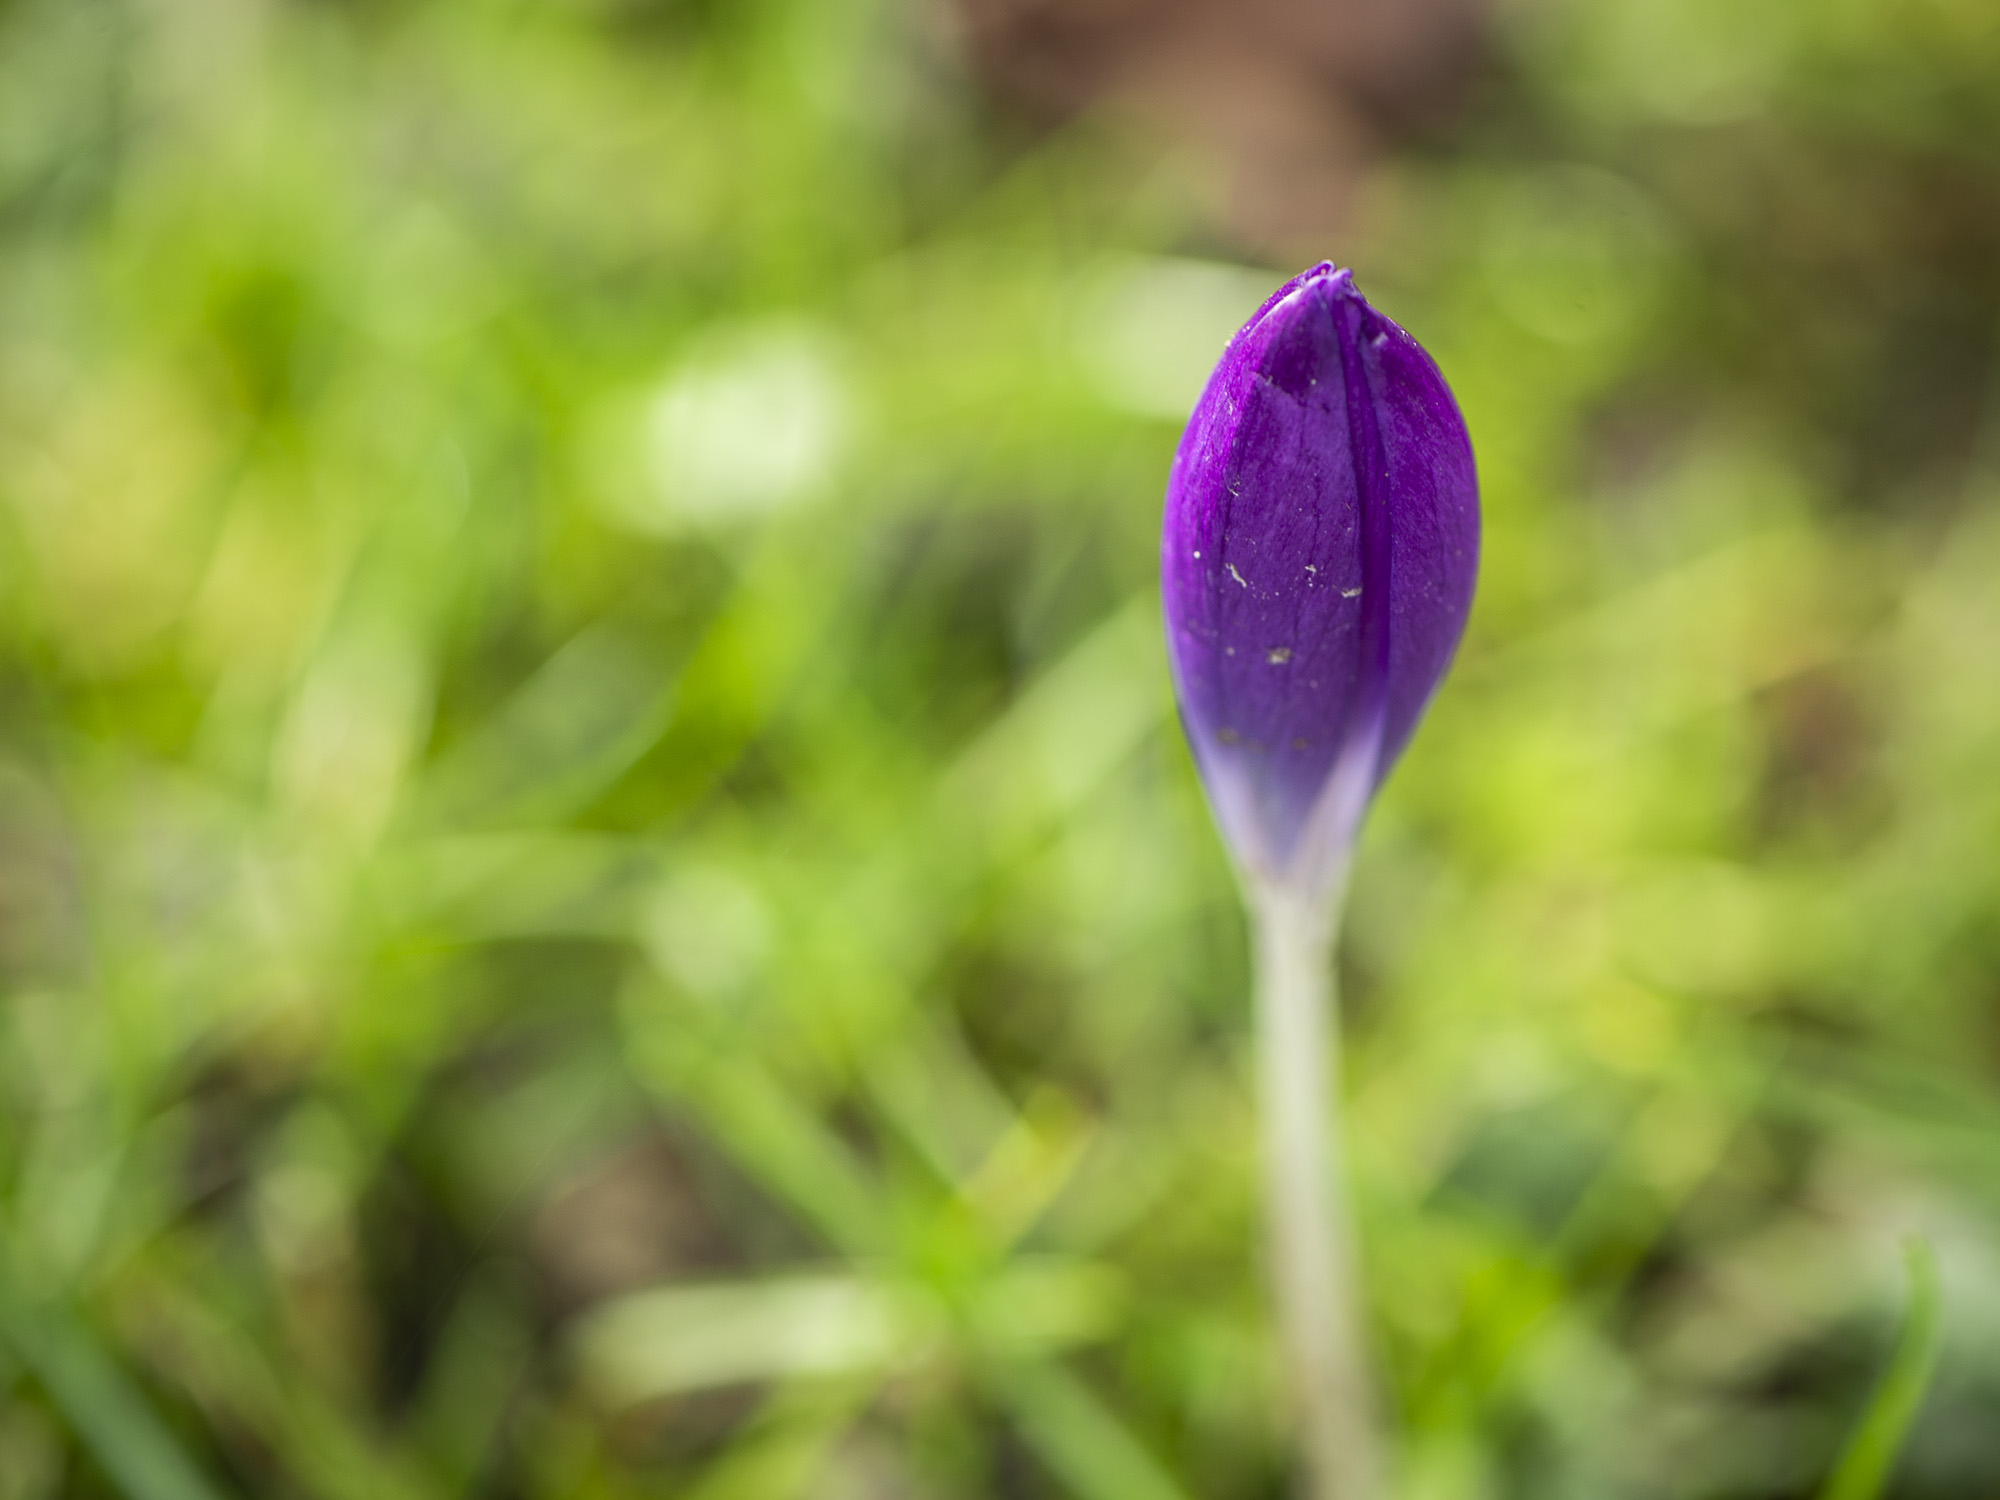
(1317,562)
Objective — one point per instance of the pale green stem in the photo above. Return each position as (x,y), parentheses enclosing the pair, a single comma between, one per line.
(1313,1259)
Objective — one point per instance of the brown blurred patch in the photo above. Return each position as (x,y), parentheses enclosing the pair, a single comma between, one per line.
(1294,97)
(1821,739)
(632,1217)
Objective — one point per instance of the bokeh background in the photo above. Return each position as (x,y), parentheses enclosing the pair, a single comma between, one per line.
(599,896)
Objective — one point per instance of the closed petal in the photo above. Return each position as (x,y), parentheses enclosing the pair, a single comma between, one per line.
(1317,563)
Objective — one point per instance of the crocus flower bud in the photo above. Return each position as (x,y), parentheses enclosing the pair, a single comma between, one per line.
(1317,563)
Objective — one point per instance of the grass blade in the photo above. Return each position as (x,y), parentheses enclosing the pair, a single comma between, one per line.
(1871,1453)
(99,1402)
(1093,1453)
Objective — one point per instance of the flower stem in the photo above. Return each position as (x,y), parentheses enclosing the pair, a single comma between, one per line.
(1313,1258)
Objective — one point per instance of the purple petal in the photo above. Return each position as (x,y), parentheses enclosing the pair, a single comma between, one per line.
(1317,563)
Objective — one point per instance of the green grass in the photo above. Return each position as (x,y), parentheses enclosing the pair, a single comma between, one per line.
(599,894)
(1877,1442)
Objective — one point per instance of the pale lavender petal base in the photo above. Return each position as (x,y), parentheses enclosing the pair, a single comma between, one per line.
(1317,564)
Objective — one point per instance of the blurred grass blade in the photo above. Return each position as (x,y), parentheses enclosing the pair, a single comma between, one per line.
(332,1451)
(1093,1453)
(1042,1303)
(784,1449)
(592,710)
(768,1129)
(673,1339)
(1872,1451)
(102,1406)
(1039,761)
(512,885)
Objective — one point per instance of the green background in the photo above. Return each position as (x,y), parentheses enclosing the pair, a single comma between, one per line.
(599,895)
